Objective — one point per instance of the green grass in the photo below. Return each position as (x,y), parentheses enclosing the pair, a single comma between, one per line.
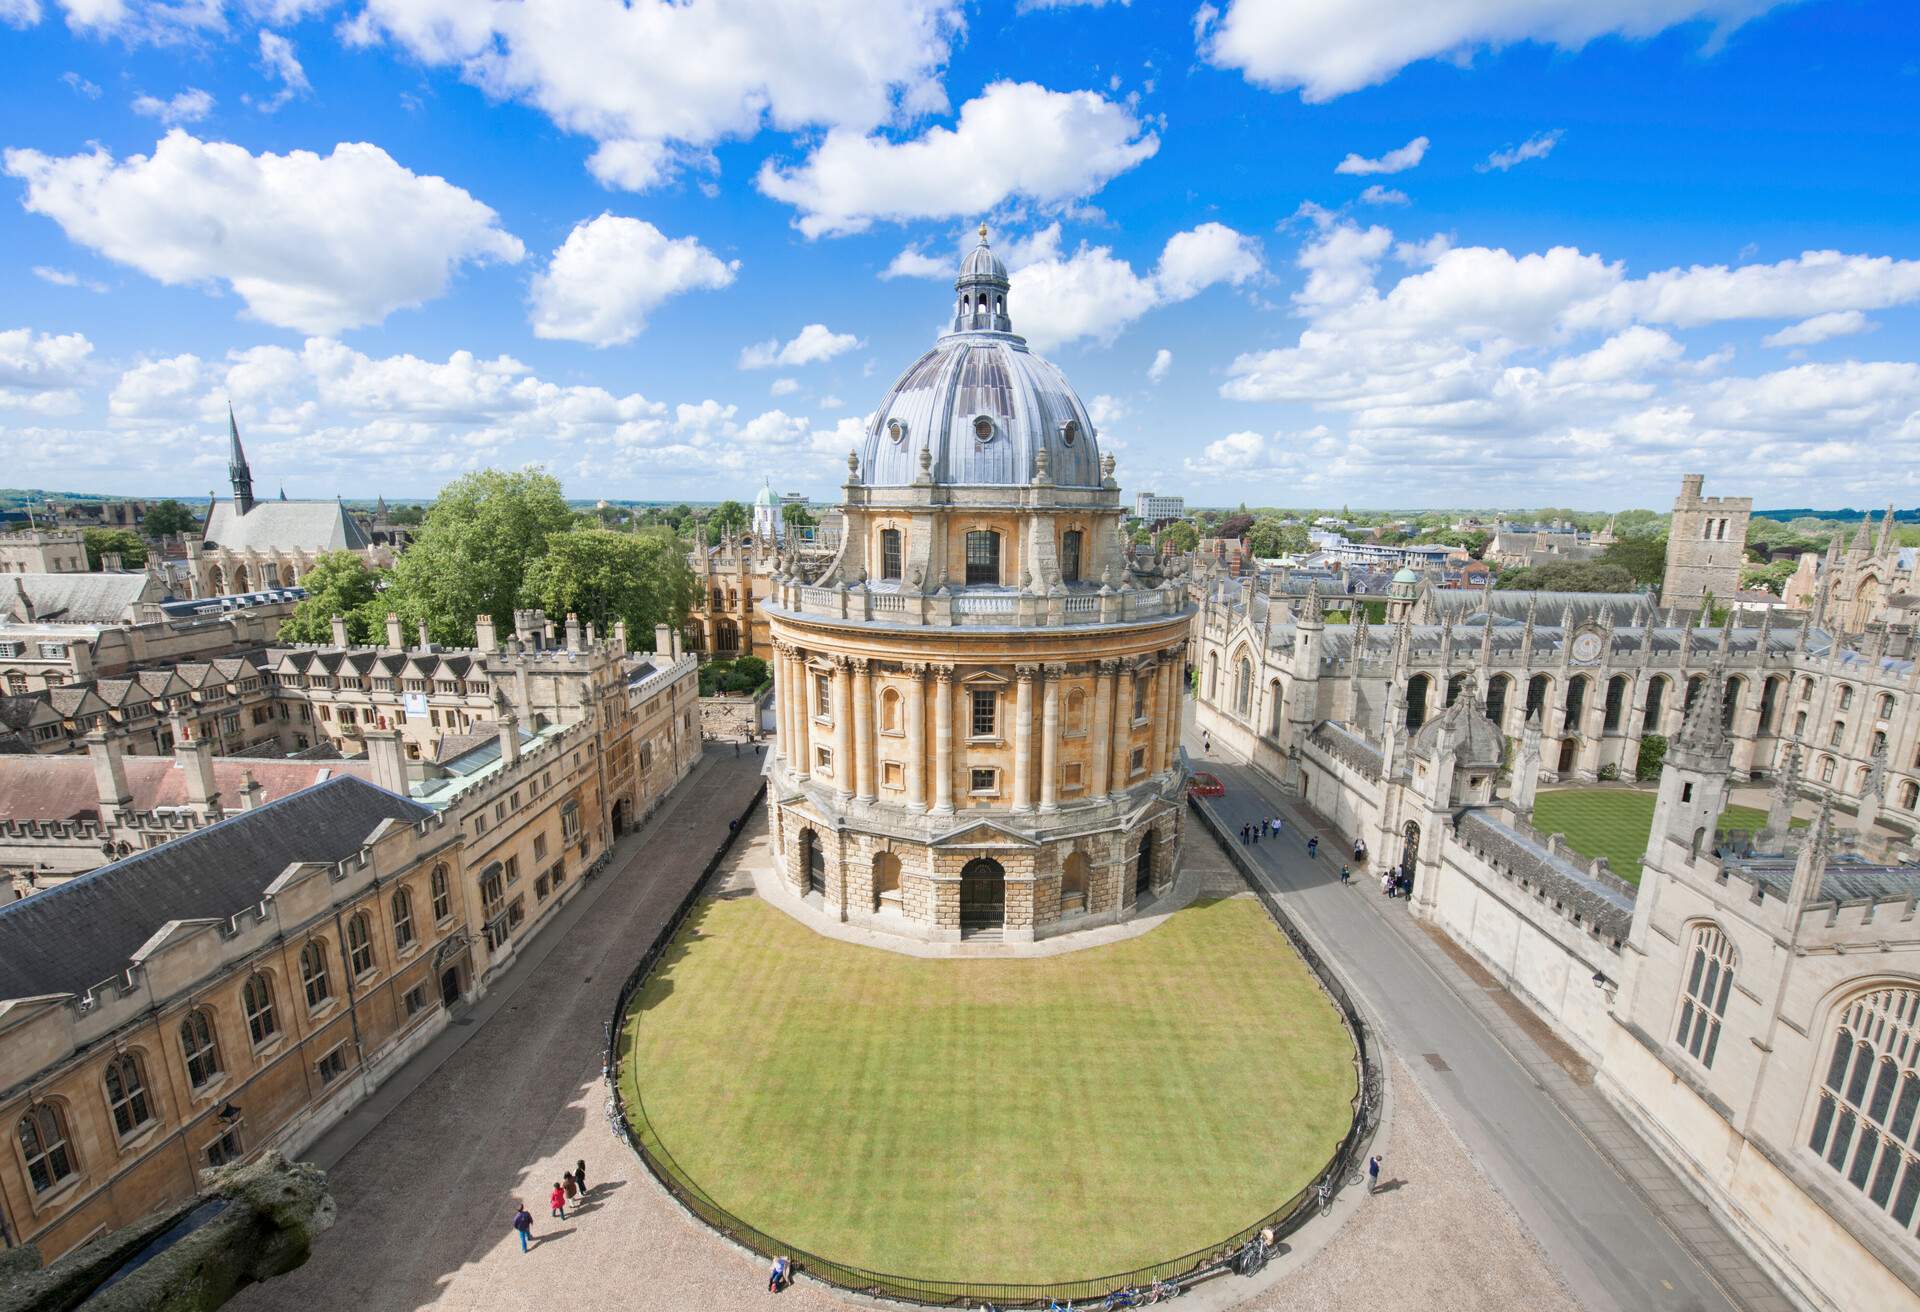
(1027,1121)
(1614,823)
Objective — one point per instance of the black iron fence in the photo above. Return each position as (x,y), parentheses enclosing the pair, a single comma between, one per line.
(1231,1253)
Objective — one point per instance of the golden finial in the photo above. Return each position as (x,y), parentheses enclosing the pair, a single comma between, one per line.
(983,233)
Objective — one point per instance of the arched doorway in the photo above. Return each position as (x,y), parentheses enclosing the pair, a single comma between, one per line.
(620,817)
(886,881)
(1074,878)
(1143,868)
(983,896)
(1569,749)
(814,862)
(1410,853)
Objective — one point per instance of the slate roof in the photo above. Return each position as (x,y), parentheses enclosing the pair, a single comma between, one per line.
(83,932)
(1847,878)
(79,598)
(63,787)
(1565,884)
(284,526)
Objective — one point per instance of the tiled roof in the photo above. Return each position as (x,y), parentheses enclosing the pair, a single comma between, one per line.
(63,787)
(284,526)
(1845,879)
(83,932)
(79,598)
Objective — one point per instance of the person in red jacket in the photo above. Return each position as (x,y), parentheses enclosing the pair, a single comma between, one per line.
(557,1201)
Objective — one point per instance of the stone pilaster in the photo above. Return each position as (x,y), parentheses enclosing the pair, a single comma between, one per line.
(943,694)
(864,742)
(1050,741)
(843,764)
(1023,738)
(1122,729)
(1102,746)
(917,738)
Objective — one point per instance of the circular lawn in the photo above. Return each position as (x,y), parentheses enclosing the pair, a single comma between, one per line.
(1029,1121)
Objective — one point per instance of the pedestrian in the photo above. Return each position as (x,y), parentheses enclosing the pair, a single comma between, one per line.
(1386,885)
(1359,851)
(573,1188)
(523,1224)
(1346,874)
(1373,1174)
(1256,834)
(557,1202)
(759,749)
(736,749)
(1245,830)
(1206,742)
(777,1278)
(580,1175)
(1313,848)
(1279,826)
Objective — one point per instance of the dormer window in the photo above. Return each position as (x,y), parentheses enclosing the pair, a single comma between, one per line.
(897,430)
(983,429)
(1070,432)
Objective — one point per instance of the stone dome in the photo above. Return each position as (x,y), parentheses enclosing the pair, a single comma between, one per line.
(1405,575)
(980,403)
(1476,739)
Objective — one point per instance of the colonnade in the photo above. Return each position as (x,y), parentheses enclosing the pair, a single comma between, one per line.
(1035,707)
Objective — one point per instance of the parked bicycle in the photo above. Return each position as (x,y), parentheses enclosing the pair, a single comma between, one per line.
(1161,1291)
(1253,1256)
(1127,1297)
(1323,1195)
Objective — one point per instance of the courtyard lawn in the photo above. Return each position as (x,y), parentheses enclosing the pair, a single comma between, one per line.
(1026,1121)
(1614,823)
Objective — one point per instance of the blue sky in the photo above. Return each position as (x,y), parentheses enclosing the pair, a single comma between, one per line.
(667,251)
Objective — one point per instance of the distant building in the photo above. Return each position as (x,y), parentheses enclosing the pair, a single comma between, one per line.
(43,551)
(1155,509)
(1706,546)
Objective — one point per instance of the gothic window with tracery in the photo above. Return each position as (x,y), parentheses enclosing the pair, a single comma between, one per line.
(1863,1123)
(1703,1004)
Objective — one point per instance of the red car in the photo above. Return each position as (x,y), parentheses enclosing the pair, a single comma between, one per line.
(1202,784)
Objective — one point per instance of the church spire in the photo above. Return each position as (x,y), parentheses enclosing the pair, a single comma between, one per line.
(237,467)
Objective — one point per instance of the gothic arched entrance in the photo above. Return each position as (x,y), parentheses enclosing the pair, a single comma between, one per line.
(1143,868)
(1410,854)
(983,896)
(814,862)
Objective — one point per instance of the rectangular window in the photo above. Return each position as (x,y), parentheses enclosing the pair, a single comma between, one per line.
(569,822)
(822,695)
(513,869)
(1139,696)
(823,760)
(889,553)
(984,702)
(892,775)
(984,781)
(226,1148)
(416,999)
(333,1065)
(516,913)
(540,889)
(983,557)
(539,847)
(558,875)
(1070,556)
(1138,761)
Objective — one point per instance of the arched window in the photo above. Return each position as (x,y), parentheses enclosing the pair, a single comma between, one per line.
(402,919)
(257,1000)
(1616,702)
(889,553)
(1694,685)
(43,1141)
(1213,678)
(1539,687)
(1077,711)
(1864,1121)
(1800,724)
(313,972)
(1242,686)
(1886,706)
(198,1046)
(127,1094)
(1070,556)
(1454,685)
(1909,795)
(983,556)
(1879,742)
(1073,882)
(359,945)
(438,889)
(1576,700)
(1276,707)
(1826,769)
(1703,1004)
(890,711)
(886,879)
(1730,703)
(1656,694)
(1834,733)
(1806,689)
(1140,680)
(1497,689)
(1416,701)
(1846,697)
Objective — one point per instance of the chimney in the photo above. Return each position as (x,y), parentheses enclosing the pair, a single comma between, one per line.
(110,563)
(509,729)
(426,639)
(620,636)
(483,633)
(662,639)
(573,632)
(109,770)
(339,630)
(25,609)
(250,792)
(676,645)
(195,757)
(396,636)
(389,762)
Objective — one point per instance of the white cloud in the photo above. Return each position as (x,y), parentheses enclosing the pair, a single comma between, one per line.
(1538,146)
(1014,140)
(1060,298)
(1379,195)
(1104,409)
(1162,362)
(913,263)
(611,272)
(41,373)
(66,278)
(190,106)
(784,386)
(163,22)
(1326,48)
(278,62)
(91,90)
(1394,161)
(19,13)
(830,403)
(813,344)
(1820,328)
(656,84)
(310,242)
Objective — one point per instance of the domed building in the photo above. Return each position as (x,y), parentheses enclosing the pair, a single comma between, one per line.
(978,703)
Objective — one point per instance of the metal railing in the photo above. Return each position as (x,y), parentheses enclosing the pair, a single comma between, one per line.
(1229,1254)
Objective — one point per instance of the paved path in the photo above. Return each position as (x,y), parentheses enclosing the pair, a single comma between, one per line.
(1618,1242)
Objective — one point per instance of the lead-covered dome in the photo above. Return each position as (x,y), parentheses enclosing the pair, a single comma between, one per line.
(980,403)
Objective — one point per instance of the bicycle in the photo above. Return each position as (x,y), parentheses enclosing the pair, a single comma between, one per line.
(1127,1297)
(1252,1257)
(1055,1305)
(1323,1194)
(1161,1291)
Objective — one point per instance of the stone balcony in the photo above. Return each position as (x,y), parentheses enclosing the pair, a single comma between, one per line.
(890,606)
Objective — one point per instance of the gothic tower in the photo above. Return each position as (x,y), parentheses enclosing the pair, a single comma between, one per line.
(237,468)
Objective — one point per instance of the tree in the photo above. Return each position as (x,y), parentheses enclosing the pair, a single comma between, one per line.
(1653,751)
(102,541)
(727,517)
(1233,526)
(168,517)
(1269,537)
(1182,535)
(604,576)
(1568,576)
(340,583)
(407,515)
(796,517)
(472,553)
(1769,578)
(1642,555)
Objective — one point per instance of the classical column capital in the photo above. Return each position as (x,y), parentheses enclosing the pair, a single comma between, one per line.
(841,664)
(942,673)
(1108,668)
(1026,673)
(858,664)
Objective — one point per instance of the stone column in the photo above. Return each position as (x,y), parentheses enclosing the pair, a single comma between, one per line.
(1023,738)
(783,704)
(864,742)
(802,759)
(843,766)
(917,738)
(943,693)
(1122,729)
(1050,741)
(1157,708)
(1175,704)
(1100,745)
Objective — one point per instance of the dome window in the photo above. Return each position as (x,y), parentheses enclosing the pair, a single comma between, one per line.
(1070,432)
(983,429)
(897,430)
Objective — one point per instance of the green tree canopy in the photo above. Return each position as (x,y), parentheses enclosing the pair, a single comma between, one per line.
(1642,555)
(1269,537)
(169,516)
(796,516)
(727,517)
(1568,576)
(100,541)
(1770,577)
(603,576)
(407,515)
(472,554)
(340,583)
(1182,535)
(1233,526)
